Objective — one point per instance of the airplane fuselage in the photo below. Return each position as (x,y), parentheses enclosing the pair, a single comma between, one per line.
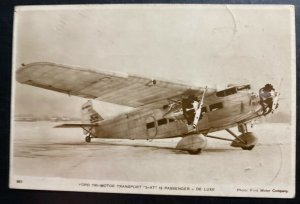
(220,111)
(165,109)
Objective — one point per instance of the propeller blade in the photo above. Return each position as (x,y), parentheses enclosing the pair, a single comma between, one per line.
(198,110)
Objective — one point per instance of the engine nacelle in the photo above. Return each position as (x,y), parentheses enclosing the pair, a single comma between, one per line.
(192,143)
(268,98)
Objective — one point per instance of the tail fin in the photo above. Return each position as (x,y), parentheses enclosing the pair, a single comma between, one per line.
(88,114)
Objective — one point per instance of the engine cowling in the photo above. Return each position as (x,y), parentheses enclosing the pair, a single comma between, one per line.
(268,99)
(186,109)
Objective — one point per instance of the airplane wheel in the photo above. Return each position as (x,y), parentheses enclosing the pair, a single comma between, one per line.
(250,141)
(88,139)
(248,148)
(194,152)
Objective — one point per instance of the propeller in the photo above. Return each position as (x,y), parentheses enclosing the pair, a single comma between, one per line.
(198,110)
(276,97)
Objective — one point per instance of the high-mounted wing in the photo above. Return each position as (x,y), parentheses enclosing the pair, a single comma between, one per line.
(123,89)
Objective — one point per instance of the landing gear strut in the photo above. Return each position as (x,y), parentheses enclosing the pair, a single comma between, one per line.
(89,134)
(246,140)
(249,141)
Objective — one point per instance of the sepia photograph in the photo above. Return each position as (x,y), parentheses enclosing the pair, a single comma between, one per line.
(171,99)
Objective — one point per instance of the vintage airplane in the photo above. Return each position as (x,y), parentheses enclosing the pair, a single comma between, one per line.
(163,109)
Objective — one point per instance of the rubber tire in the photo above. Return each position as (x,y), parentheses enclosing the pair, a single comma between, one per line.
(248,148)
(88,139)
(194,152)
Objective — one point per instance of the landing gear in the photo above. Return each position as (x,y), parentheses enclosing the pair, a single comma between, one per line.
(194,152)
(88,138)
(246,140)
(88,133)
(193,144)
(248,148)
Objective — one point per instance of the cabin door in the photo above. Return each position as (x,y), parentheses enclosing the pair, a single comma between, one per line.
(151,126)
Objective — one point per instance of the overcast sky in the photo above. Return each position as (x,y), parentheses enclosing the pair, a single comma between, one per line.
(214,46)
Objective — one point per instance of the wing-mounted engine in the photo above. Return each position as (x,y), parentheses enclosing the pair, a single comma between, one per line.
(268,99)
(174,111)
(188,108)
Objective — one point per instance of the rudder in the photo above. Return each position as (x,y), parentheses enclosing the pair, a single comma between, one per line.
(88,114)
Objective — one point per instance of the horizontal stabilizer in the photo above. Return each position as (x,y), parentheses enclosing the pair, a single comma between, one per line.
(76,125)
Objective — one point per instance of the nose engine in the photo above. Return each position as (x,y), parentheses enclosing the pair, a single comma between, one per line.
(268,99)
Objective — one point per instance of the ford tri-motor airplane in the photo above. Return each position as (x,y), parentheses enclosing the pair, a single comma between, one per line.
(163,109)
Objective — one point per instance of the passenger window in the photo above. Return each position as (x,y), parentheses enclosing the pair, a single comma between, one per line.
(220,93)
(150,125)
(226,92)
(162,121)
(215,106)
(230,91)
(171,120)
(244,87)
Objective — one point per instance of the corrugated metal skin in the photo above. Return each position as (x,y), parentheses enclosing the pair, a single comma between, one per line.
(115,88)
(133,126)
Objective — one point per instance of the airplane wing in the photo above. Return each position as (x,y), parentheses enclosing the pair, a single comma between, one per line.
(117,88)
(76,125)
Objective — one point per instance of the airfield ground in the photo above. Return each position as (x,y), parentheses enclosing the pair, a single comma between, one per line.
(40,150)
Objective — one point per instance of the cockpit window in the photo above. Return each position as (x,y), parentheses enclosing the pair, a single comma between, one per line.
(246,87)
(226,92)
(162,121)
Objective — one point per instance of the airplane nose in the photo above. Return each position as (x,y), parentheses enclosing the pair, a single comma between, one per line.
(268,98)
